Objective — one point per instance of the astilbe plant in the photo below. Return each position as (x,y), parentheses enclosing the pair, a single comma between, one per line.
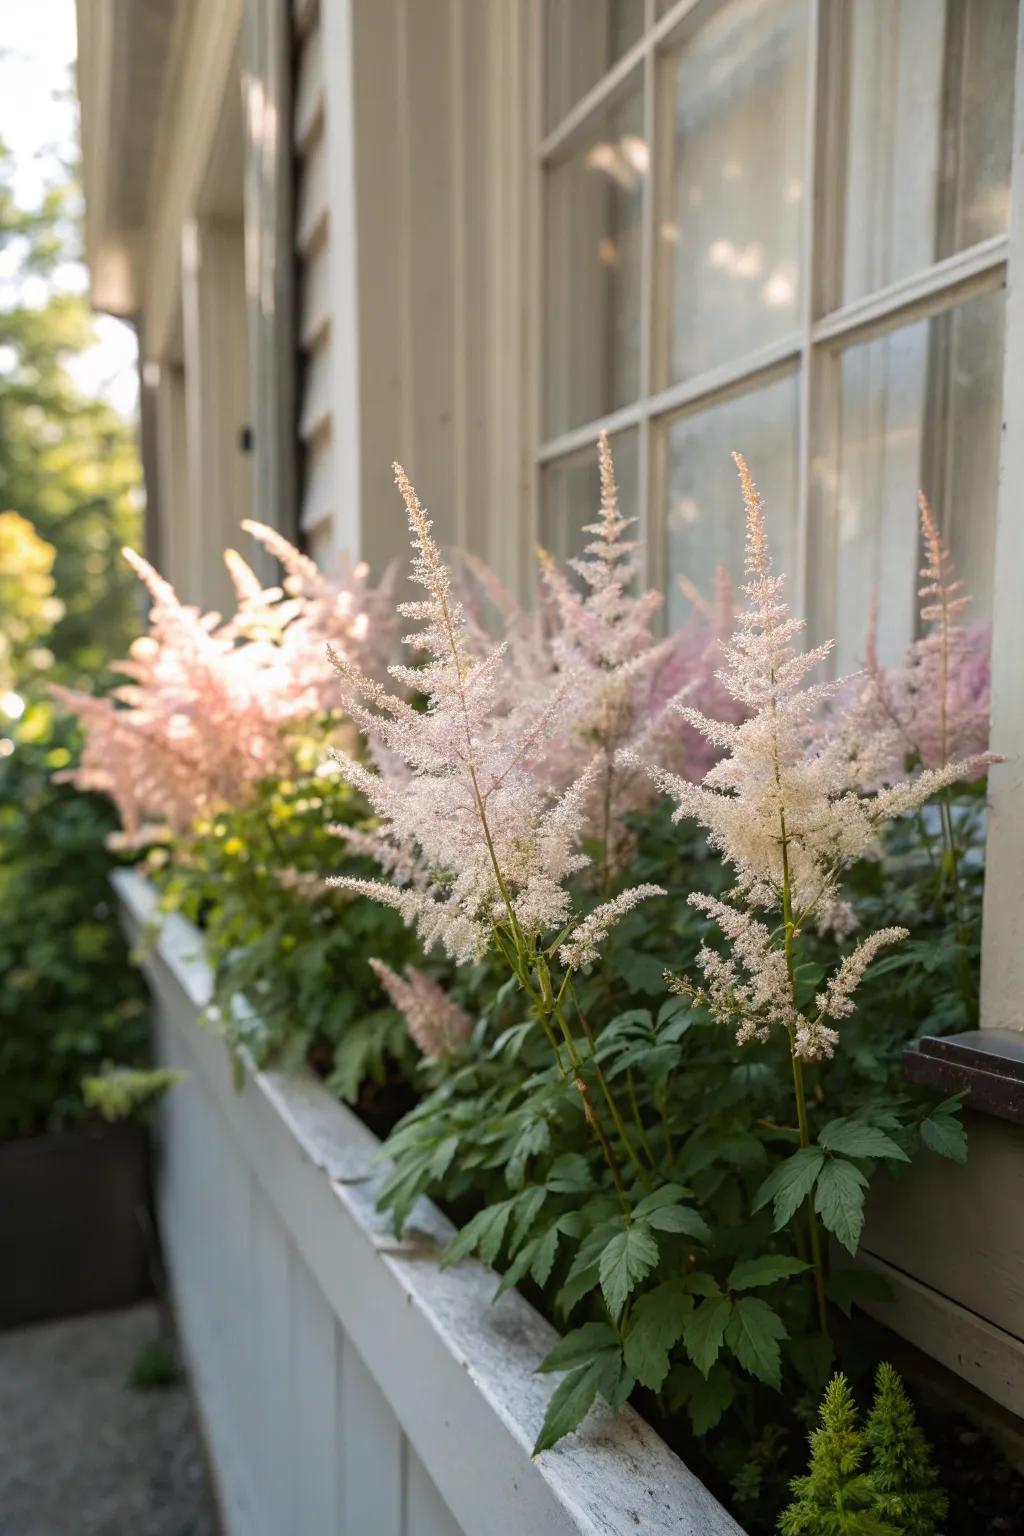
(211,709)
(929,710)
(480,851)
(780,807)
(592,626)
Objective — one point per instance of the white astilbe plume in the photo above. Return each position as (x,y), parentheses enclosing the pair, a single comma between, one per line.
(436,1024)
(483,841)
(585,945)
(780,804)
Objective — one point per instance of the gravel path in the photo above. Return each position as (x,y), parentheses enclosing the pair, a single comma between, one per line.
(83,1455)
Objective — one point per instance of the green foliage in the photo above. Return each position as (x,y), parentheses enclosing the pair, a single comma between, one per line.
(702,1295)
(68,462)
(835,1497)
(69,498)
(902,1477)
(118,1092)
(69,998)
(278,936)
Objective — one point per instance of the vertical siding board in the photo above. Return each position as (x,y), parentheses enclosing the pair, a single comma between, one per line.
(271,1354)
(313,1412)
(372,1454)
(432,235)
(426,1513)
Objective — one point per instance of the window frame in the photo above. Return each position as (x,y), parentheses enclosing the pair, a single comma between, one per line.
(815,349)
(825,330)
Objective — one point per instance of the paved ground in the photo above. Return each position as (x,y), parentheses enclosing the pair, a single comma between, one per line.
(83,1455)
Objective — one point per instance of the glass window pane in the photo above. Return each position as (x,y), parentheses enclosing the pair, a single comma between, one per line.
(730,237)
(920,408)
(928,137)
(706,523)
(582,40)
(572,495)
(592,283)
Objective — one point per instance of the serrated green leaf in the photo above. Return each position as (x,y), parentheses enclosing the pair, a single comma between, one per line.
(709,1399)
(626,1260)
(527,1207)
(700,1284)
(573,1398)
(753,1335)
(482,1234)
(680,1218)
(579,1282)
(790,1183)
(668,1194)
(569,1174)
(855,1139)
(748,1274)
(945,1136)
(657,1324)
(580,1346)
(517,1269)
(544,1254)
(839,1201)
(705,1330)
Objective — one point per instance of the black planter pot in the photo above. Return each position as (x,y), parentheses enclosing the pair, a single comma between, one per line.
(74,1223)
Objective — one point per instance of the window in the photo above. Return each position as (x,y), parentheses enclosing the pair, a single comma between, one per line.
(780,226)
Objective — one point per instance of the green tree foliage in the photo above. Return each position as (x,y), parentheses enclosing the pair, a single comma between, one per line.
(28,608)
(68,462)
(902,1476)
(70,1002)
(835,1496)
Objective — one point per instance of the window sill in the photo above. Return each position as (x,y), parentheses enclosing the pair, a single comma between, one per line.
(987,1063)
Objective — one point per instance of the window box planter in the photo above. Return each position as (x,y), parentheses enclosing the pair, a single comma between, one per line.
(346,1382)
(949,1240)
(72,1215)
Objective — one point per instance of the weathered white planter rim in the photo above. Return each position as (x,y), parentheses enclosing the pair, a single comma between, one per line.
(457,1368)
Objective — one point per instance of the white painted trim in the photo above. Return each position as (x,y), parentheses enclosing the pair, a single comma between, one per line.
(457,1370)
(336,22)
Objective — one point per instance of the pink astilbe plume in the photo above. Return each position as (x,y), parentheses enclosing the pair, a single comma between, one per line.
(781,808)
(490,845)
(313,610)
(934,706)
(436,1024)
(599,631)
(211,709)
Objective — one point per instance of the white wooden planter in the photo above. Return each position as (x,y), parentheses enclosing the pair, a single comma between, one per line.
(348,1385)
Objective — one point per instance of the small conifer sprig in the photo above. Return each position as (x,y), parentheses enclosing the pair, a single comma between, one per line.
(903,1479)
(835,1496)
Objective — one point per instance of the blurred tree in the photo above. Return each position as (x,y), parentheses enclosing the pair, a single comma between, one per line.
(68,461)
(28,608)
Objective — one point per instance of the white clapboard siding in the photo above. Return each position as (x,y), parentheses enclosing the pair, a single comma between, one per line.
(347,1385)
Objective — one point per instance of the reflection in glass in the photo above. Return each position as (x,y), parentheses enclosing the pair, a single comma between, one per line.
(592,282)
(582,40)
(928,137)
(705,516)
(572,495)
(731,242)
(921,408)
